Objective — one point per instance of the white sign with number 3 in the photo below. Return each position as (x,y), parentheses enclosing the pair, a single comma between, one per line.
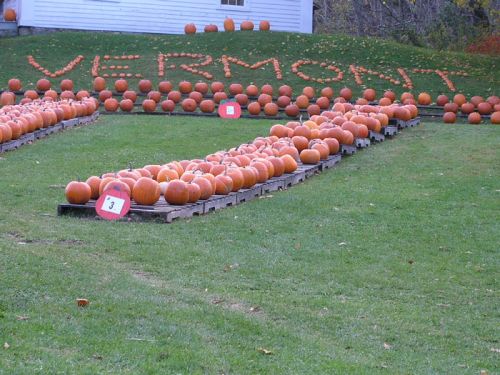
(113,204)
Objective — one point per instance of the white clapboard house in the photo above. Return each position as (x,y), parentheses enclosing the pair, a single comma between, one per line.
(160,16)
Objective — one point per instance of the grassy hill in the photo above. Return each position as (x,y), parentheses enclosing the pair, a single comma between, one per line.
(53,51)
(386,264)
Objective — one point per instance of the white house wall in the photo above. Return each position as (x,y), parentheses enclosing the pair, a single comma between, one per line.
(161,16)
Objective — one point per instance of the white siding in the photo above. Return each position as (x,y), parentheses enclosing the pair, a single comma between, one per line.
(162,16)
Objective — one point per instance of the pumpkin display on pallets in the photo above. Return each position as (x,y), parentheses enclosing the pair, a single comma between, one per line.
(289,154)
(23,123)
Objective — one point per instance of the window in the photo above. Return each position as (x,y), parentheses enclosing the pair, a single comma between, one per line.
(240,3)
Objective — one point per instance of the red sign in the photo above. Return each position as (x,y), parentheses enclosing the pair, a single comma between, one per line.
(113,204)
(230,109)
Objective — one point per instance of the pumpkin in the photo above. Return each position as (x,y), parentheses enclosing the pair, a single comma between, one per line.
(476,99)
(6,132)
(451,107)
(99,84)
(185,87)
(105,94)
(14,84)
(249,177)
(145,86)
(189,105)
(82,94)
(327,92)
(252,90)
(165,87)
(333,145)
(207,106)
(283,101)
(484,108)
(229,25)
(121,85)
(467,108)
(190,28)
(384,102)
(235,89)
(292,110)
(154,95)
(449,118)
(43,84)
(196,96)
(289,162)
(118,185)
(459,99)
(201,87)
(309,92)
(310,156)
(346,93)
(254,108)
(370,95)
(211,28)
(9,15)
(127,105)
(313,109)
(246,26)
(285,90)
(194,192)
(495,118)
(424,99)
(263,99)
(177,192)
(278,165)
(130,94)
(441,100)
(220,96)
(402,113)
(175,96)
(237,176)
(264,25)
(389,94)
(111,105)
(77,192)
(242,99)
(302,101)
(94,182)
(322,148)
(224,184)
(149,105)
(474,118)
(146,191)
(217,87)
(7,98)
(168,105)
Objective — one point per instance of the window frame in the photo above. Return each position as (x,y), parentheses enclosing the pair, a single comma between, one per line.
(236,8)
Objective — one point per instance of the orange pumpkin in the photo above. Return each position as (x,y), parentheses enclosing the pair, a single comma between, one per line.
(14,84)
(165,87)
(229,25)
(264,25)
(190,28)
(149,105)
(474,118)
(310,156)
(9,15)
(43,85)
(77,192)
(146,191)
(211,28)
(121,85)
(99,84)
(111,105)
(207,106)
(449,118)
(145,86)
(246,26)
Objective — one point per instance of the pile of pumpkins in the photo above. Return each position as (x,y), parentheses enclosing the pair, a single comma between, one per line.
(229,26)
(241,167)
(473,108)
(17,120)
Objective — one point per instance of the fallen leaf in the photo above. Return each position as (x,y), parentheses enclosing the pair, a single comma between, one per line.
(217,301)
(342,243)
(6,346)
(255,309)
(82,302)
(495,350)
(387,346)
(22,317)
(265,351)
(97,356)
(443,305)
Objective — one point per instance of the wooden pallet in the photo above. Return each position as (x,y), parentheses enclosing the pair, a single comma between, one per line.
(164,212)
(348,149)
(390,131)
(405,124)
(376,137)
(44,132)
(362,142)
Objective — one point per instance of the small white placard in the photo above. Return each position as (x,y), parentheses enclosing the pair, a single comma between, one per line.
(230,110)
(113,204)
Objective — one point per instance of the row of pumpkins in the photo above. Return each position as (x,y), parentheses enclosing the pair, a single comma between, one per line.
(310,99)
(241,167)
(229,26)
(17,120)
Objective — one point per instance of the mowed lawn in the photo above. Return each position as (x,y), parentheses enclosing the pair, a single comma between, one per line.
(386,264)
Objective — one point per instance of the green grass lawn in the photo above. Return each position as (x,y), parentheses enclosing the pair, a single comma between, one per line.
(386,264)
(54,51)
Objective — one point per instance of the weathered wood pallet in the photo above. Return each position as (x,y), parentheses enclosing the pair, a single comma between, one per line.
(348,149)
(362,142)
(331,162)
(44,132)
(405,124)
(376,137)
(390,131)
